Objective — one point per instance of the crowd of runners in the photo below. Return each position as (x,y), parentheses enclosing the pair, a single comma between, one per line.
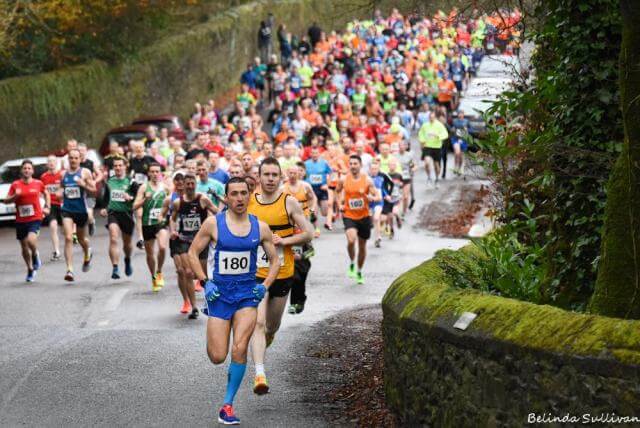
(318,134)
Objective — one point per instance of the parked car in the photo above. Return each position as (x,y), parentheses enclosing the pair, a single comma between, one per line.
(168,121)
(10,172)
(123,135)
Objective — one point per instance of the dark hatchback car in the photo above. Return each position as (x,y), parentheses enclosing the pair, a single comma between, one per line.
(123,135)
(168,121)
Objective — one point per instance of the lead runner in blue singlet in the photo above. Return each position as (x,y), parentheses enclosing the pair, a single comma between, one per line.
(231,291)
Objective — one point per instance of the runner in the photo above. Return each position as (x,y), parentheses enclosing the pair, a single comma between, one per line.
(357,190)
(431,135)
(459,142)
(184,282)
(118,197)
(302,191)
(207,185)
(25,193)
(52,178)
(187,216)
(391,206)
(151,198)
(87,163)
(76,183)
(139,165)
(375,207)
(408,167)
(318,171)
(231,291)
(283,214)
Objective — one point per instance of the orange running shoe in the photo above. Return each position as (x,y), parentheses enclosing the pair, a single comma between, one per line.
(186,307)
(196,286)
(260,385)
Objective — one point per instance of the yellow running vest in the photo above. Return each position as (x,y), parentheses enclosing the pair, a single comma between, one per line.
(276,216)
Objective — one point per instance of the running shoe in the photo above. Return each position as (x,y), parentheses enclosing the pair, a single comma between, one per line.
(226,416)
(35,259)
(260,385)
(299,308)
(92,228)
(360,278)
(140,244)
(292,309)
(186,307)
(115,273)
(377,242)
(194,314)
(159,280)
(328,227)
(128,270)
(154,284)
(196,286)
(31,275)
(86,265)
(69,276)
(55,256)
(352,271)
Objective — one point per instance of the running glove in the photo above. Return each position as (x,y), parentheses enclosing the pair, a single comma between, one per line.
(211,292)
(259,291)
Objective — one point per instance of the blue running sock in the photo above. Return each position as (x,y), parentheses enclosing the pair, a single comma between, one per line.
(234,380)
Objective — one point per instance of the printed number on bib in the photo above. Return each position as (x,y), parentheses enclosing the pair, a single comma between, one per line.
(315,179)
(297,249)
(117,196)
(72,192)
(52,188)
(26,210)
(263,260)
(154,213)
(233,262)
(190,224)
(356,204)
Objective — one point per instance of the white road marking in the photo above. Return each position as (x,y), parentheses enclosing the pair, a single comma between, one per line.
(115,300)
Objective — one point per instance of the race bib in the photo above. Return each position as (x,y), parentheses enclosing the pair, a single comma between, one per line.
(297,250)
(457,77)
(25,210)
(315,179)
(140,178)
(154,213)
(263,260)
(356,203)
(233,262)
(190,224)
(118,196)
(52,188)
(72,192)
(490,46)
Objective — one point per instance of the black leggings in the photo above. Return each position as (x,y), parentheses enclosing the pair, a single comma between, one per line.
(299,283)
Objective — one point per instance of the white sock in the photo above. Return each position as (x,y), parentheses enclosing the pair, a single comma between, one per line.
(259,369)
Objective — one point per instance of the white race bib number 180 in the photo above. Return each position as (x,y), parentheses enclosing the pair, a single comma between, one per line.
(263,260)
(233,262)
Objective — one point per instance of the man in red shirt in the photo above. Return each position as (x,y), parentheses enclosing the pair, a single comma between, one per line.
(25,193)
(51,180)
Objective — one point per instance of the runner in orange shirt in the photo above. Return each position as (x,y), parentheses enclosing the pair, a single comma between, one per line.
(357,190)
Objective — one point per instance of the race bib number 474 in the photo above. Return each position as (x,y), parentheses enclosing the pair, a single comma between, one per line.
(263,259)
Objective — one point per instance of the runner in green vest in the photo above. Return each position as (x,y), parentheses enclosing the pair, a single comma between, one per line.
(151,197)
(118,195)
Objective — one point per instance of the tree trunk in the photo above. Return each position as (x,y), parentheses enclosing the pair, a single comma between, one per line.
(617,291)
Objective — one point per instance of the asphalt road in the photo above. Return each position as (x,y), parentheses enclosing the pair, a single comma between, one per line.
(100,352)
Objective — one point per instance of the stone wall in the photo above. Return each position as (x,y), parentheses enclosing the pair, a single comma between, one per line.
(515,359)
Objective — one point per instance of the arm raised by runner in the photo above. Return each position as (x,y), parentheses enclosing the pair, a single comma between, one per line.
(141,197)
(208,233)
(266,240)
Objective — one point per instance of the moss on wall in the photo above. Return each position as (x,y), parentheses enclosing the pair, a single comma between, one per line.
(425,294)
(515,357)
